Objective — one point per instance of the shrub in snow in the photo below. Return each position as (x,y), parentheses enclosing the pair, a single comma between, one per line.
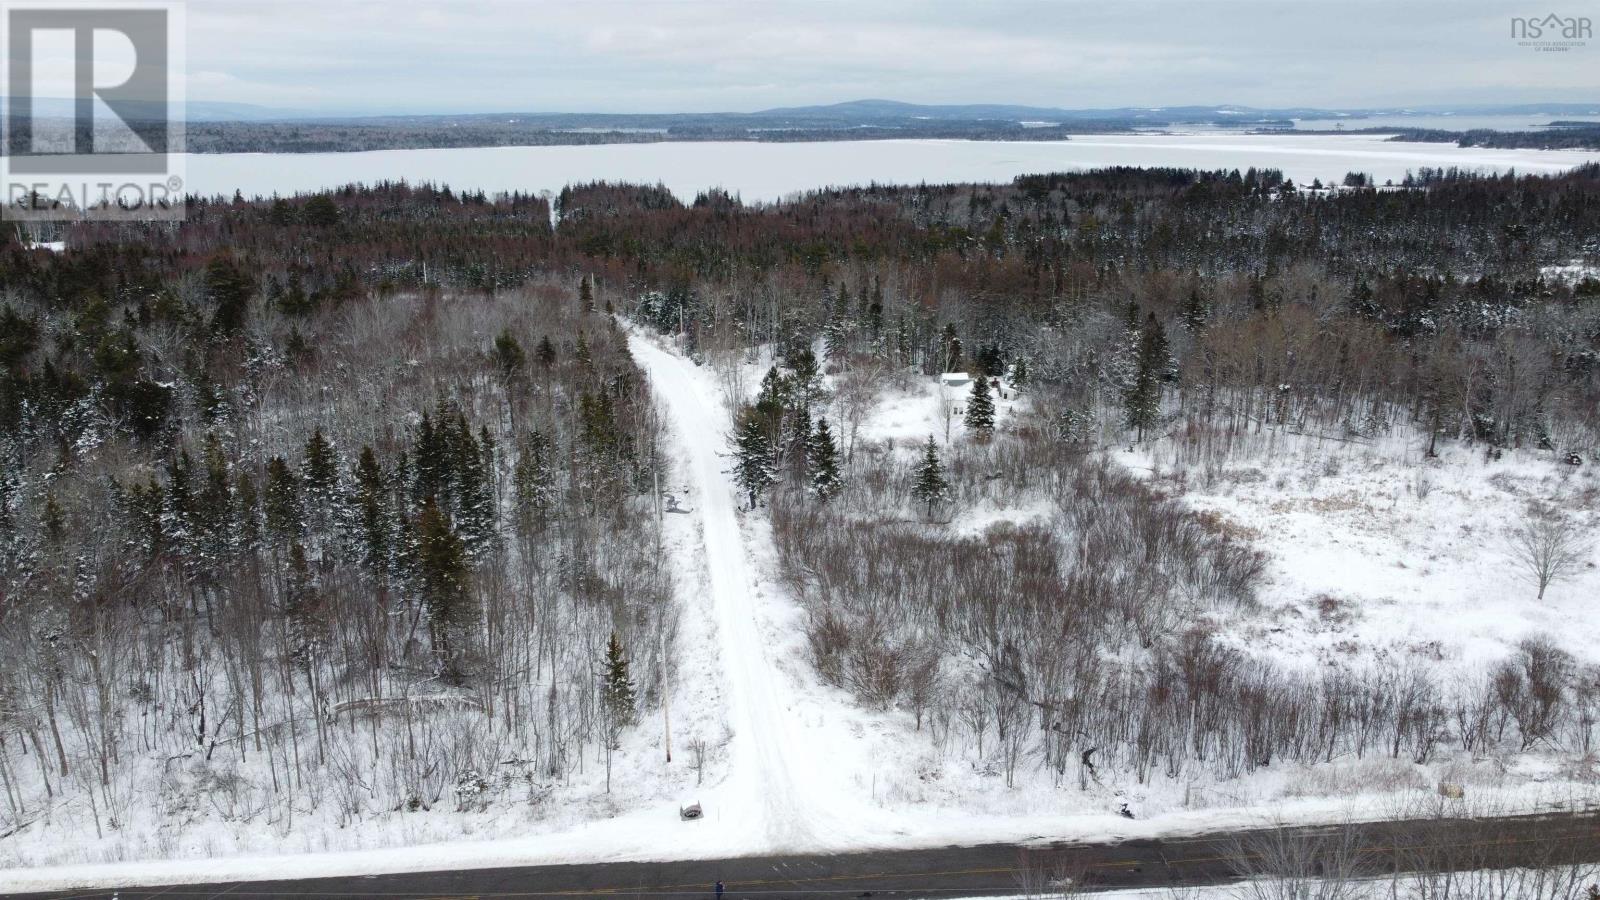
(472,789)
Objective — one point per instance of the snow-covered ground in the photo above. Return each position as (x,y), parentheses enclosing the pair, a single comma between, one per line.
(1378,558)
(1378,553)
(1464,577)
(794,765)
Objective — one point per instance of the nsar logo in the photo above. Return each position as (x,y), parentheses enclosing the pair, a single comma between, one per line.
(1553,32)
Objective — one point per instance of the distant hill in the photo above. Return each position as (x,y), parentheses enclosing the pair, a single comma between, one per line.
(895,109)
(860,112)
(214,127)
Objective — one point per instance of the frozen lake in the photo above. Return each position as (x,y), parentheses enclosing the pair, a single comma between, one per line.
(771,171)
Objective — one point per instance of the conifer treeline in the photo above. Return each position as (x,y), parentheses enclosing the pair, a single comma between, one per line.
(1291,304)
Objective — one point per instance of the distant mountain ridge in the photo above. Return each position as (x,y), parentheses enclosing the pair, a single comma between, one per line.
(865,111)
(240,127)
(890,109)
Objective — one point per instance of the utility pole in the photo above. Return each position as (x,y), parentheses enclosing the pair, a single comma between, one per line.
(666,694)
(661,634)
(655,474)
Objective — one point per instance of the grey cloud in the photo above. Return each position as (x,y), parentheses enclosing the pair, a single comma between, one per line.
(688,55)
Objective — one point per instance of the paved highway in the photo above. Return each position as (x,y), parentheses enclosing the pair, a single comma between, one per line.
(959,871)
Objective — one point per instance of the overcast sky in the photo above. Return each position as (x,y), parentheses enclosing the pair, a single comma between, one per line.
(719,55)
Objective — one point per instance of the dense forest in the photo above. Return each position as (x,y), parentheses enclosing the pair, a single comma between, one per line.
(1561,136)
(352,489)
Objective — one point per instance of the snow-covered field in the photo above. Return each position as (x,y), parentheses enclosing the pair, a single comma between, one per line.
(771,171)
(1380,553)
(1377,552)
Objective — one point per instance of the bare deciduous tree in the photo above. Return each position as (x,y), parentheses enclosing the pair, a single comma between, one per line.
(1548,547)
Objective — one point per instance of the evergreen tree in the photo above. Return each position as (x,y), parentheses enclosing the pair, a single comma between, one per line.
(320,212)
(754,468)
(980,408)
(798,451)
(214,513)
(509,359)
(822,462)
(431,463)
(585,295)
(403,561)
(1020,373)
(772,401)
(143,507)
(533,483)
(320,482)
(442,576)
(475,517)
(229,291)
(874,317)
(837,332)
(600,438)
(618,690)
(1152,365)
(546,353)
(372,518)
(280,214)
(1130,320)
(805,379)
(19,338)
(282,502)
(400,483)
(930,487)
(292,299)
(180,500)
(990,361)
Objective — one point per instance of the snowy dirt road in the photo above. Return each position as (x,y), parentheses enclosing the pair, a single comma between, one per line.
(784,783)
